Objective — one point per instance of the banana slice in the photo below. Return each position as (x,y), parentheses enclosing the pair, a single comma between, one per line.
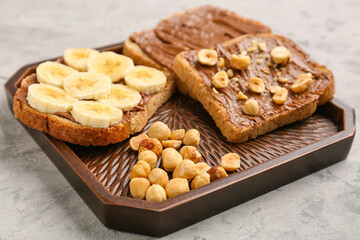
(145,79)
(78,57)
(49,99)
(96,114)
(84,85)
(111,64)
(53,73)
(122,97)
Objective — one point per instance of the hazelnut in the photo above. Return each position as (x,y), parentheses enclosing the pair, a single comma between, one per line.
(239,62)
(170,159)
(207,57)
(191,153)
(265,70)
(282,80)
(135,141)
(159,130)
(280,55)
(302,82)
(138,187)
(192,138)
(177,186)
(214,90)
(220,80)
(172,143)
(140,170)
(177,134)
(230,161)
(148,156)
(156,193)
(274,89)
(242,96)
(221,62)
(254,46)
(200,180)
(152,144)
(256,85)
(230,73)
(234,79)
(158,176)
(262,46)
(251,107)
(201,168)
(280,96)
(217,172)
(186,169)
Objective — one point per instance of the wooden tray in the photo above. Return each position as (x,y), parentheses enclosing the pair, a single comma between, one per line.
(100,174)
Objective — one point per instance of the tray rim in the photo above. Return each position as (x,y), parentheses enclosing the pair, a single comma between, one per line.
(107,198)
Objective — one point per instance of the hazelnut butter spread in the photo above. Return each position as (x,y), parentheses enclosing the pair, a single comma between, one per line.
(261,78)
(197,28)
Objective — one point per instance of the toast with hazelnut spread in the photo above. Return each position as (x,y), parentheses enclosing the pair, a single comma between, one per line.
(254,84)
(197,28)
(90,108)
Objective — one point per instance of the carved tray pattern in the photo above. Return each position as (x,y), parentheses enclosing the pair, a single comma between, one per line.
(111,164)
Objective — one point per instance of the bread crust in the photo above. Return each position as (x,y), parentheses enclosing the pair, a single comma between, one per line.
(73,132)
(188,76)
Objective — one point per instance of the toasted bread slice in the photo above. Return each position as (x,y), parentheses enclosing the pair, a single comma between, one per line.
(61,125)
(223,103)
(196,28)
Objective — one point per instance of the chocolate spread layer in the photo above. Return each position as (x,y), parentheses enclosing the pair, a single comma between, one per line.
(197,28)
(260,60)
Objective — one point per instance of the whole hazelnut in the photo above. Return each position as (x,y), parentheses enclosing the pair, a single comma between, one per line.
(207,57)
(158,176)
(149,157)
(200,180)
(217,172)
(152,144)
(251,107)
(159,130)
(138,187)
(177,186)
(186,169)
(135,141)
(170,159)
(280,54)
(140,170)
(201,167)
(191,153)
(156,193)
(192,138)
(230,161)
(177,134)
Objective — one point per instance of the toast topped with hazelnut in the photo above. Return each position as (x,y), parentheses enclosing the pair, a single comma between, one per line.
(254,84)
(104,105)
(197,28)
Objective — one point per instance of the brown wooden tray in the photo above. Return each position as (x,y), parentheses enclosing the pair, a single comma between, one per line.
(100,174)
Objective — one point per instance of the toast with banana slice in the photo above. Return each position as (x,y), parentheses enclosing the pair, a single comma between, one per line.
(254,84)
(90,97)
(197,28)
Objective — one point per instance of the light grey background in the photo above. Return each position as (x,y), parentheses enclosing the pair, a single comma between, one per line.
(36,202)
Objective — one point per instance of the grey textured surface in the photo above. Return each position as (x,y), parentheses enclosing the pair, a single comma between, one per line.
(38,203)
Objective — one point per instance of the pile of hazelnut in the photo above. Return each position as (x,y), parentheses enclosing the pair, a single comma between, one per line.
(152,183)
